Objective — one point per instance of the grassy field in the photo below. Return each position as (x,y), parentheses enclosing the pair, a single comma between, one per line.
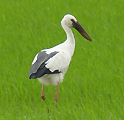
(93,87)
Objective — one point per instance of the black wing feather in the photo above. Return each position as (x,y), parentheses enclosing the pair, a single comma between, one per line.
(38,69)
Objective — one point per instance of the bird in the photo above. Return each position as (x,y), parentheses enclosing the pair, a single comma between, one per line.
(50,65)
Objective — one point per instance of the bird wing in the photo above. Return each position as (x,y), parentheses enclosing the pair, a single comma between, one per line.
(59,62)
(38,68)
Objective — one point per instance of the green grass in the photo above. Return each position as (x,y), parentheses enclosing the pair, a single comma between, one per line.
(93,87)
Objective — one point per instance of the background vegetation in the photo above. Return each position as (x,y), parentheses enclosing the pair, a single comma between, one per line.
(93,87)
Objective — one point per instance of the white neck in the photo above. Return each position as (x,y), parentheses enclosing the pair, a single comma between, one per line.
(70,41)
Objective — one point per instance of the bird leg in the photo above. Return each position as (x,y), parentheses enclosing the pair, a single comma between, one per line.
(56,95)
(42,95)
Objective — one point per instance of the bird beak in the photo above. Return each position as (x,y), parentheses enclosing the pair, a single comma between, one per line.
(80,29)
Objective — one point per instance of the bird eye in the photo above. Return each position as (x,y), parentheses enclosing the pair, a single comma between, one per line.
(72,20)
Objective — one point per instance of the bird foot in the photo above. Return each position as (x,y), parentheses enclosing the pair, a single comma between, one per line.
(43,97)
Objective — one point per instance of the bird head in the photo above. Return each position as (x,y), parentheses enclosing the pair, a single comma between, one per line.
(71,21)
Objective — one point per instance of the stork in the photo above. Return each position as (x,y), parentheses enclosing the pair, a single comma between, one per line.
(50,65)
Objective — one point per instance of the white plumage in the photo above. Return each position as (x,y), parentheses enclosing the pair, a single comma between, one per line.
(50,65)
